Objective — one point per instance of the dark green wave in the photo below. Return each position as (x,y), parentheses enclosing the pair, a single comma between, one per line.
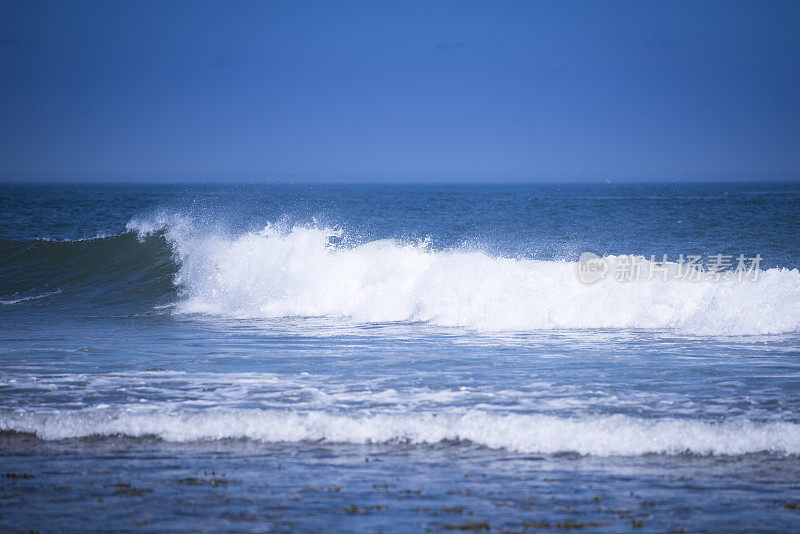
(117,269)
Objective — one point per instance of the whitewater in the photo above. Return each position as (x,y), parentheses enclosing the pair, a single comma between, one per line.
(599,436)
(311,271)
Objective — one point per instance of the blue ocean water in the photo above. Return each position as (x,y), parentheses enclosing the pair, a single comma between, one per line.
(399,357)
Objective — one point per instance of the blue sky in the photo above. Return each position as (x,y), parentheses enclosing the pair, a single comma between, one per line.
(399,91)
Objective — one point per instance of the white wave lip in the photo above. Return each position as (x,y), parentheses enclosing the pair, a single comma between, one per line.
(299,272)
(615,435)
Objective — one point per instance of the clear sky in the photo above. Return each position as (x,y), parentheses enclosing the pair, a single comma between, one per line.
(407,90)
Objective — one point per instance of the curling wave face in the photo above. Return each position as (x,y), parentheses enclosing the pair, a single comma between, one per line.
(312,271)
(104,271)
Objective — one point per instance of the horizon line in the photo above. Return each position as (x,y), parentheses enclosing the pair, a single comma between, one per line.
(432,178)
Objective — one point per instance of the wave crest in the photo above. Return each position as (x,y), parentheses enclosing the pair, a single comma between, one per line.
(308,271)
(615,435)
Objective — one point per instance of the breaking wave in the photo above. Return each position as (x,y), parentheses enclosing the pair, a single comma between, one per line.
(315,271)
(615,435)
(312,271)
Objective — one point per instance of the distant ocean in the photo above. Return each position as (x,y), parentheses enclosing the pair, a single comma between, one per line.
(400,357)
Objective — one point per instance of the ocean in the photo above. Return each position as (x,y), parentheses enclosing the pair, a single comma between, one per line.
(400,358)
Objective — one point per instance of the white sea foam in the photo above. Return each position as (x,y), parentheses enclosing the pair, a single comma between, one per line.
(616,435)
(301,272)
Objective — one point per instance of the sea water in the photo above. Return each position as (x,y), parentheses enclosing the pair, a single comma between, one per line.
(400,357)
